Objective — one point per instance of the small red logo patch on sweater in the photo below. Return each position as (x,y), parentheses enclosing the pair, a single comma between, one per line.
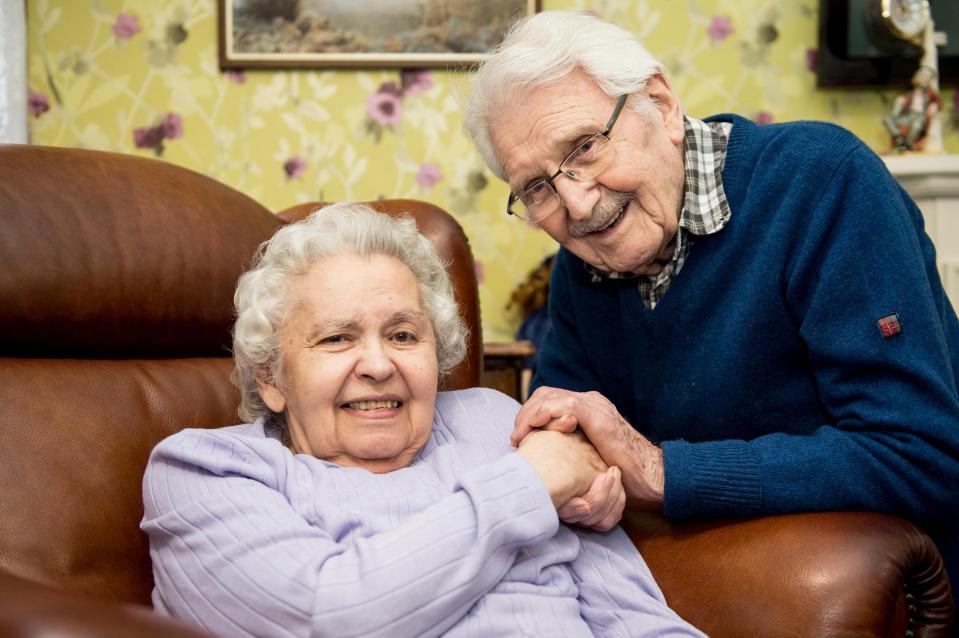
(889,325)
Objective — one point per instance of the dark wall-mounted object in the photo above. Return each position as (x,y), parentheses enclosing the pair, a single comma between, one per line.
(851,53)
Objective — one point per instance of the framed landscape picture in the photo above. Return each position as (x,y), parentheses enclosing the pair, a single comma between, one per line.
(368,33)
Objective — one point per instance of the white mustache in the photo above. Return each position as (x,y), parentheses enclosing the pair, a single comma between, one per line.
(605,209)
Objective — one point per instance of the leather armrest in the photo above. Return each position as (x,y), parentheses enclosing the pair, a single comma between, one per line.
(32,610)
(818,574)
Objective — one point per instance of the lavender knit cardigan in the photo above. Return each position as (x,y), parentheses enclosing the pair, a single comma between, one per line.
(248,539)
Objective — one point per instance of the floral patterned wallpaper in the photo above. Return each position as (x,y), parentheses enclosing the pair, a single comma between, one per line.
(141,77)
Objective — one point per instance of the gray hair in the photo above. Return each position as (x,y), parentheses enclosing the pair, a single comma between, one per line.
(263,301)
(545,48)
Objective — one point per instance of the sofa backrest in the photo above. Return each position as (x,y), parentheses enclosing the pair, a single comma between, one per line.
(116,280)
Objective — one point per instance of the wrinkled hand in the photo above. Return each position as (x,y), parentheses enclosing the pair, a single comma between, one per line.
(616,441)
(567,463)
(599,508)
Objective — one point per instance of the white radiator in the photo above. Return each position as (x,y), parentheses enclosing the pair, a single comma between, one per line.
(949,271)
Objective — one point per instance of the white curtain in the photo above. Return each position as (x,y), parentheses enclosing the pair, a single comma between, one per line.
(13,72)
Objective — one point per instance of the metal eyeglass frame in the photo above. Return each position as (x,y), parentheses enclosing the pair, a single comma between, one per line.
(548,181)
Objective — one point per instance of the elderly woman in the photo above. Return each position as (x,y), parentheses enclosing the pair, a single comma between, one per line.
(359,500)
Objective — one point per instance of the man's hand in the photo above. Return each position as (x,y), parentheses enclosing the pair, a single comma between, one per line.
(601,507)
(616,441)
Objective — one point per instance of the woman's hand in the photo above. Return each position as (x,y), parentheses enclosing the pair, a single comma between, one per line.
(567,463)
(601,508)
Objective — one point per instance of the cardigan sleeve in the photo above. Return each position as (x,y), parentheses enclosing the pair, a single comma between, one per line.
(618,596)
(231,553)
(890,441)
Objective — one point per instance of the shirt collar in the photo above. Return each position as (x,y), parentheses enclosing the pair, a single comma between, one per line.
(705,209)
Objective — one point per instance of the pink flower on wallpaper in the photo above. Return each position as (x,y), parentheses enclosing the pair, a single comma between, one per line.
(764,117)
(413,81)
(429,175)
(294,167)
(384,108)
(389,87)
(478,267)
(720,28)
(237,77)
(148,137)
(172,126)
(811,60)
(37,103)
(169,128)
(126,26)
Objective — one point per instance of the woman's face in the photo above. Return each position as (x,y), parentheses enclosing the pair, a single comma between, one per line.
(359,372)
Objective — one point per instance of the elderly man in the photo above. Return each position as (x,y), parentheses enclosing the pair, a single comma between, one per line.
(747,319)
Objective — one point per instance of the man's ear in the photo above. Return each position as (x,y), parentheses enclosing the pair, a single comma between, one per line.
(271,395)
(659,91)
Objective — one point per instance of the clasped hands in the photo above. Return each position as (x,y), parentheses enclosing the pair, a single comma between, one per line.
(588,455)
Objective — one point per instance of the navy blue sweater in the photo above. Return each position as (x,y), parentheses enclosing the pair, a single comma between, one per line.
(762,373)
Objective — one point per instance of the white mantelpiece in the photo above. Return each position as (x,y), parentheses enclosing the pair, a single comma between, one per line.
(933,182)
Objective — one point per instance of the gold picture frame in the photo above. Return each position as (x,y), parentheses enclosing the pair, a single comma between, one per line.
(362,33)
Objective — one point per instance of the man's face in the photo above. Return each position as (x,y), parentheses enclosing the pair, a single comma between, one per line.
(625,219)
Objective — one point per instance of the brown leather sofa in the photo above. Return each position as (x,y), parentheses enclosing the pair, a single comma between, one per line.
(116,281)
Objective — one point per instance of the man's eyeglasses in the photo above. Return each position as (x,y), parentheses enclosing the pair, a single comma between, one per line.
(539,199)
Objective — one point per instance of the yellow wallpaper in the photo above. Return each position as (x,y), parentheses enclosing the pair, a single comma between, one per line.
(141,77)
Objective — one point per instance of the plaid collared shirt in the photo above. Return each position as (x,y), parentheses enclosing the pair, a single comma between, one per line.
(705,209)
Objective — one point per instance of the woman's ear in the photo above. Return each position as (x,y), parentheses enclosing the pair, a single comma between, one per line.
(271,395)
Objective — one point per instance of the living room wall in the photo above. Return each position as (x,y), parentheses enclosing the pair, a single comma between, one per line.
(141,77)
